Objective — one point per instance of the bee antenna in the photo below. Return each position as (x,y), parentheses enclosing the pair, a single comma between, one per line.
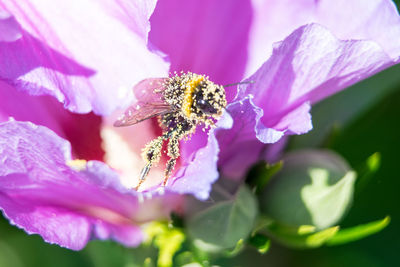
(233,84)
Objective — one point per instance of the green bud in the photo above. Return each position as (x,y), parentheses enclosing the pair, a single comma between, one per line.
(314,187)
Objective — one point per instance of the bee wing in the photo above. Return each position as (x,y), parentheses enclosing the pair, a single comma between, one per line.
(133,115)
(150,91)
(149,102)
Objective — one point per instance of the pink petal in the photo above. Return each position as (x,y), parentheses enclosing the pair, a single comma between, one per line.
(43,193)
(87,54)
(56,226)
(81,130)
(376,20)
(309,65)
(199,168)
(297,121)
(9,28)
(306,67)
(200,173)
(207,37)
(240,145)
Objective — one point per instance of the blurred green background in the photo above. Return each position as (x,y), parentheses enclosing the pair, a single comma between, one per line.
(355,123)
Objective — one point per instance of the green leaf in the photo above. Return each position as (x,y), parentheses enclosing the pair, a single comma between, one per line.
(261,174)
(319,238)
(106,253)
(297,238)
(8,257)
(305,236)
(367,170)
(374,162)
(193,264)
(261,242)
(236,250)
(222,225)
(327,203)
(358,232)
(185,258)
(201,252)
(314,188)
(168,243)
(148,263)
(167,239)
(176,220)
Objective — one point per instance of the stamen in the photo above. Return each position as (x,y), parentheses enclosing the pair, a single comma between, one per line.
(77,164)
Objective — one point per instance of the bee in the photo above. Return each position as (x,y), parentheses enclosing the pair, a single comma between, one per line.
(181,103)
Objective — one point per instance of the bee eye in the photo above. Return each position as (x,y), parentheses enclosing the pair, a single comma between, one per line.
(205,106)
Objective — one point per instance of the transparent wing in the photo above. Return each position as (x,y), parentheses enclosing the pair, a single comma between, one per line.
(150,91)
(149,102)
(133,115)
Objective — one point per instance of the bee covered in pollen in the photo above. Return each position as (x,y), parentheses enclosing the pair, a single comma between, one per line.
(181,103)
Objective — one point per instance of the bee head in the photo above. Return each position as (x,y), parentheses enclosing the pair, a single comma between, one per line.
(209,99)
(206,107)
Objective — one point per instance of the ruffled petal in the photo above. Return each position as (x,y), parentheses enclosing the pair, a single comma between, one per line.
(306,67)
(273,20)
(55,225)
(10,30)
(239,146)
(67,202)
(197,177)
(87,54)
(199,170)
(81,130)
(207,37)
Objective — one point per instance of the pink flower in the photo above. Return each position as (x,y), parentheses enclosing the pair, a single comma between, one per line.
(89,54)
(66,201)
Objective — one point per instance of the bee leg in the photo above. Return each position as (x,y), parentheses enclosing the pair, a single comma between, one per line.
(173,153)
(143,175)
(151,155)
(170,167)
(209,123)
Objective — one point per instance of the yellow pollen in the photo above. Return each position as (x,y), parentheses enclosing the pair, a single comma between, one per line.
(77,164)
(188,96)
